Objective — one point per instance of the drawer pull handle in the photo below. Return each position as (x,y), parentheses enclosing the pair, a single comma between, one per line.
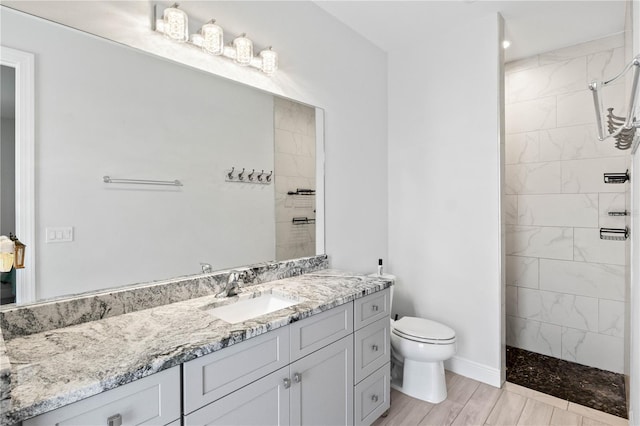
(287,383)
(374,398)
(115,420)
(374,308)
(374,348)
(297,377)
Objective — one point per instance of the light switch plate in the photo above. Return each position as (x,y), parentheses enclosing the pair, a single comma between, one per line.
(63,234)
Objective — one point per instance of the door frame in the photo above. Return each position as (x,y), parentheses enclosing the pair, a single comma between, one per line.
(24,64)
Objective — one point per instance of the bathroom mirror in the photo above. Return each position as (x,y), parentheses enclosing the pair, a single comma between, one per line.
(105,112)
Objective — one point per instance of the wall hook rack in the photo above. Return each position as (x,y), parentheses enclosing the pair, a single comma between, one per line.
(242,177)
(617,177)
(614,234)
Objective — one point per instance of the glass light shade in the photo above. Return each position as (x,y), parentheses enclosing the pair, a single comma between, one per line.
(212,38)
(176,24)
(244,50)
(269,61)
(7,256)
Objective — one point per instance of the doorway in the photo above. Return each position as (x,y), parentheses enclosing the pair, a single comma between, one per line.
(7,173)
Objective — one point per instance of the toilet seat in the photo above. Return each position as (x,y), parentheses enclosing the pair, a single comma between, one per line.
(424,331)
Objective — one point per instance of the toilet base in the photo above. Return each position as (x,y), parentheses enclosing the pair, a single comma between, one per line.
(423,380)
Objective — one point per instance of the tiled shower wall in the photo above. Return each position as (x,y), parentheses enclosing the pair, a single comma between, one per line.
(295,168)
(565,286)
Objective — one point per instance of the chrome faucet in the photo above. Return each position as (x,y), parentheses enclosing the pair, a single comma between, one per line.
(206,268)
(233,284)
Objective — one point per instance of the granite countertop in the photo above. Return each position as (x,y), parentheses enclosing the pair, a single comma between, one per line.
(57,367)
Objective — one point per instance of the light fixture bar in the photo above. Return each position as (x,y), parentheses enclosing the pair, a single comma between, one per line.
(174,24)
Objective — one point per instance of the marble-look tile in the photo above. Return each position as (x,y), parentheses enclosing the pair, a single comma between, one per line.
(558,210)
(593,349)
(288,142)
(583,279)
(522,271)
(522,148)
(605,65)
(547,80)
(510,204)
(294,117)
(558,308)
(587,176)
(531,115)
(533,178)
(573,143)
(582,49)
(295,165)
(521,64)
(539,241)
(612,202)
(534,336)
(611,317)
(575,108)
(511,300)
(588,247)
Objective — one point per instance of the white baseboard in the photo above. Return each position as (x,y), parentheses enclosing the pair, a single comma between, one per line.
(474,370)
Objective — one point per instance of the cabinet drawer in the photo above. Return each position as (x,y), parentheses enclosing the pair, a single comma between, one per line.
(320,330)
(213,376)
(372,396)
(372,348)
(371,308)
(153,400)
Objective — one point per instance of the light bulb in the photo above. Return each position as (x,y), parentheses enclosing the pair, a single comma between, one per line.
(212,38)
(176,24)
(244,50)
(269,61)
(506,44)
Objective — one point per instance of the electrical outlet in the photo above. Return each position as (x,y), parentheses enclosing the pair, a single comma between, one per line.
(59,234)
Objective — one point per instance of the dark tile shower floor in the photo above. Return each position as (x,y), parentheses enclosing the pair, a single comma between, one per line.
(588,386)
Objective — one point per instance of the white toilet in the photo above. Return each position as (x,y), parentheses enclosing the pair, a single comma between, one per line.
(419,347)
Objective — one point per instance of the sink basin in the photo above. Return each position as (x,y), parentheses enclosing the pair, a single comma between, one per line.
(248,307)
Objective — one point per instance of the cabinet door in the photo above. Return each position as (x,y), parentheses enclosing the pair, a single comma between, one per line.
(153,400)
(263,402)
(322,386)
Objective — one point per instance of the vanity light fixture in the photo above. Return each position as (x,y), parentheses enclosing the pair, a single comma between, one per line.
(269,63)
(212,38)
(174,24)
(244,50)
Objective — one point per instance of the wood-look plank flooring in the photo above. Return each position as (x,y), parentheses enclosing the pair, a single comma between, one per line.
(473,403)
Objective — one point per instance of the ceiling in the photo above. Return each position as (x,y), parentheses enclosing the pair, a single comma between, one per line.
(533,27)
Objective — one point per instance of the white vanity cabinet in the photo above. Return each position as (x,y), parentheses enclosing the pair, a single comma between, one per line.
(153,400)
(315,388)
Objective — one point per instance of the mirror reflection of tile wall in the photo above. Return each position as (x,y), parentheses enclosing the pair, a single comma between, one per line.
(295,168)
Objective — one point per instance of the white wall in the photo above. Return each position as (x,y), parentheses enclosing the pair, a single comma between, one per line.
(444,188)
(340,72)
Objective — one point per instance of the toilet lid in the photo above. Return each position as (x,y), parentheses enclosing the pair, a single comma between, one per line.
(423,329)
